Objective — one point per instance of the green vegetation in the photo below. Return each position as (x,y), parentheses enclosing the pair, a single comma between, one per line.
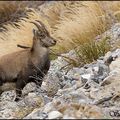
(88,52)
(92,50)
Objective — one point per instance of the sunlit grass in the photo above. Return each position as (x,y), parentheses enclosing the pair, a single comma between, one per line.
(77,22)
(75,25)
(72,23)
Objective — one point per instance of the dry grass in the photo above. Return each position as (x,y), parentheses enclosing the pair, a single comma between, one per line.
(71,23)
(91,51)
(87,53)
(18,29)
(12,11)
(13,36)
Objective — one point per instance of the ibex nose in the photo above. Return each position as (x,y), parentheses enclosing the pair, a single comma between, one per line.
(54,41)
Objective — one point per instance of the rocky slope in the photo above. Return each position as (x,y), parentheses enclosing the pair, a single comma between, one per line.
(91,91)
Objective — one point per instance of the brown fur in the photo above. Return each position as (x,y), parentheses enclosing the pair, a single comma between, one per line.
(21,66)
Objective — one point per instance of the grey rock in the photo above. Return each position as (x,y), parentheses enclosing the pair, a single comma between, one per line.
(54,115)
(68,117)
(8,95)
(36,114)
(30,87)
(48,107)
(100,74)
(96,72)
(52,85)
(33,100)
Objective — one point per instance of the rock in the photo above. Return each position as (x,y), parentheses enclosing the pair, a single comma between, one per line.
(107,55)
(54,115)
(99,73)
(112,112)
(7,87)
(114,35)
(80,111)
(36,114)
(115,64)
(79,97)
(30,87)
(7,109)
(68,117)
(112,78)
(75,73)
(48,107)
(8,95)
(116,53)
(112,87)
(33,100)
(85,78)
(47,99)
(52,85)
(94,112)
(67,85)
(56,65)
(7,114)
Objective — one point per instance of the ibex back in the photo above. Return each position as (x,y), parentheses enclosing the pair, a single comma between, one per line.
(24,66)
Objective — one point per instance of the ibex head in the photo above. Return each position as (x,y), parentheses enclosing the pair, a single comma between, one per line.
(43,35)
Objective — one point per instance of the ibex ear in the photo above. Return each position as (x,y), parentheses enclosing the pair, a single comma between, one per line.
(34,37)
(34,31)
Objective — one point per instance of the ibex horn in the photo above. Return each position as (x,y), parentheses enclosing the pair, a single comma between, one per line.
(37,25)
(43,26)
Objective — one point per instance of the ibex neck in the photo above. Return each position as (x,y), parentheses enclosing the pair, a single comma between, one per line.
(39,54)
(36,45)
(38,50)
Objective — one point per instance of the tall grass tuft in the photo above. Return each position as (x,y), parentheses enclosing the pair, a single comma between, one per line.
(11,12)
(72,23)
(77,22)
(92,50)
(88,52)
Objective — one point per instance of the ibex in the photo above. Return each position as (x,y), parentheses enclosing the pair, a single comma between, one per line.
(21,67)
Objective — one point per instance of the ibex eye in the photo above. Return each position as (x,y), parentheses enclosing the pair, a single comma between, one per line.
(42,35)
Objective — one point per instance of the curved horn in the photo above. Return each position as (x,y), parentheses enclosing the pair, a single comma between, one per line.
(43,26)
(37,25)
